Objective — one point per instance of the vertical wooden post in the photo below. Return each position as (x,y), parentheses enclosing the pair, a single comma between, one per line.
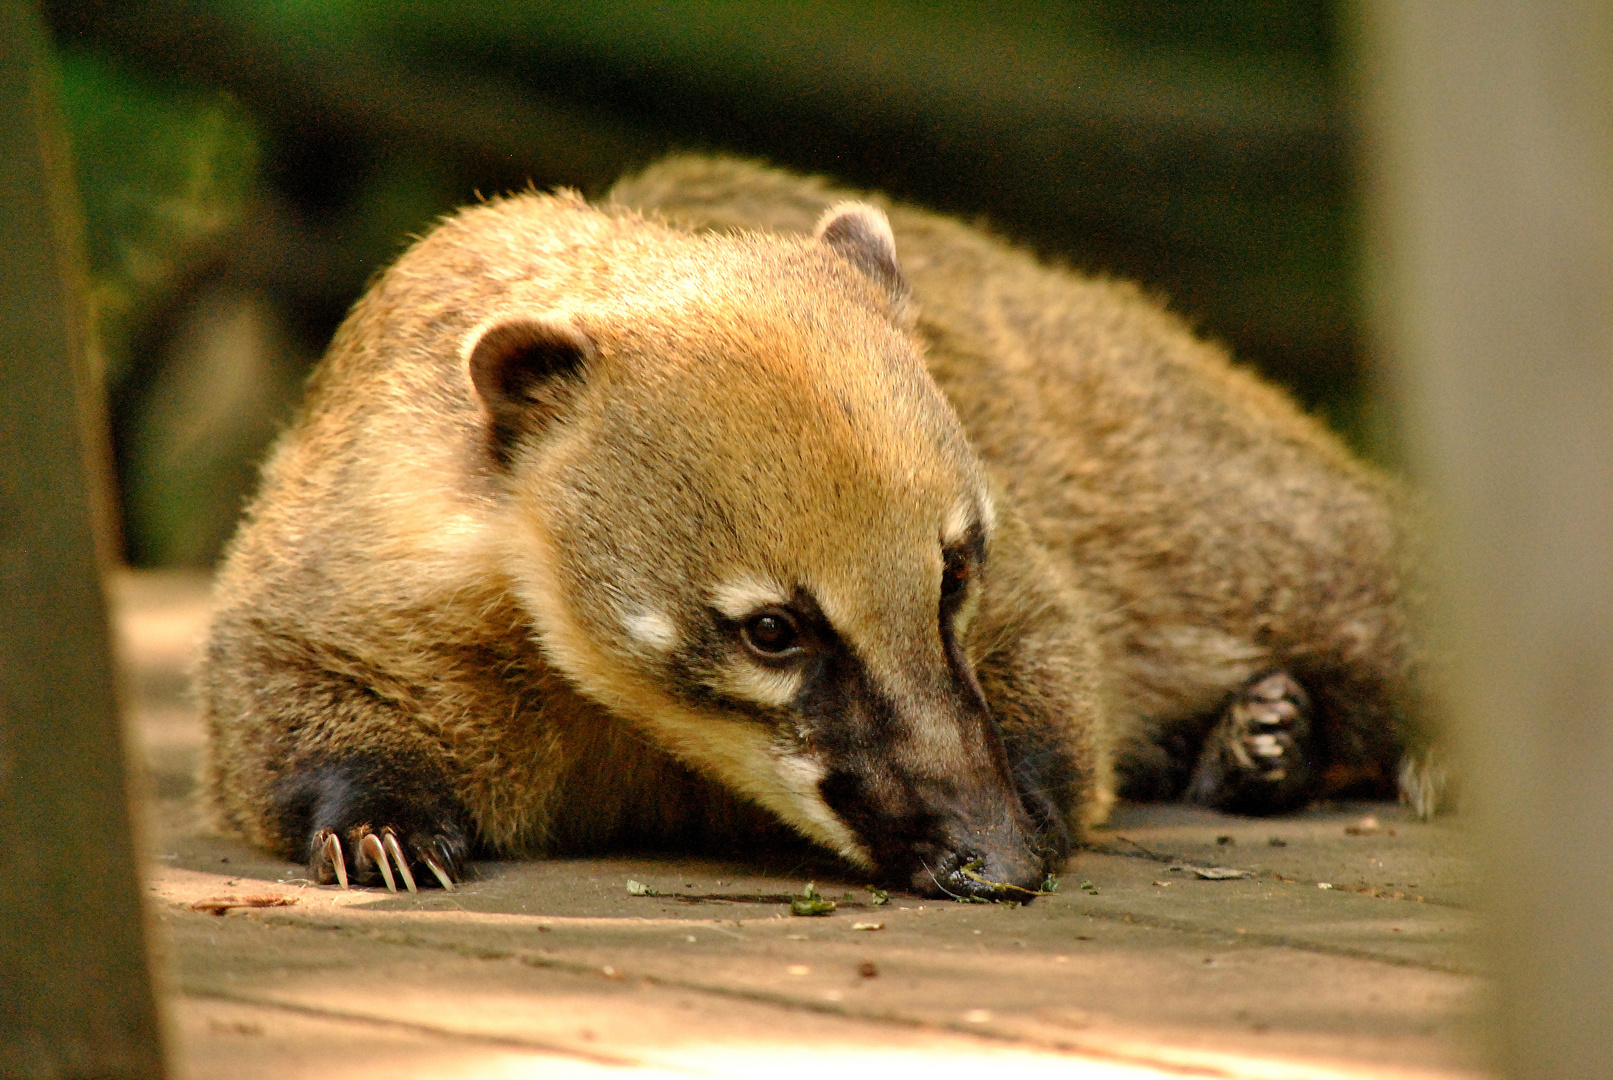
(75,988)
(1489,152)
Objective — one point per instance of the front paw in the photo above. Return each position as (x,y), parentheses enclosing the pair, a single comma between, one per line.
(366,854)
(1256,759)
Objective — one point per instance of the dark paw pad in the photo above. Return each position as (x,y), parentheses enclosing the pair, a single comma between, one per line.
(1257,758)
(366,855)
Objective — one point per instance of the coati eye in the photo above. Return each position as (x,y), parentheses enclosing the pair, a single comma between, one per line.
(771,633)
(955,574)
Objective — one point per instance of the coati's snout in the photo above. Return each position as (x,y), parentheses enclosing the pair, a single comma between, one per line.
(949,852)
(874,703)
(960,833)
(913,761)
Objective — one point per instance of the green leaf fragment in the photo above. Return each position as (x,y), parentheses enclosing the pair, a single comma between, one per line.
(638,888)
(998,888)
(880,896)
(803,905)
(810,903)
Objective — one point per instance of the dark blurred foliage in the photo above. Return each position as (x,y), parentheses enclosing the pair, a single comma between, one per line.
(248,164)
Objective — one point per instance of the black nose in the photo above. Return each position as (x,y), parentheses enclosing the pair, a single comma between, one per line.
(1015,875)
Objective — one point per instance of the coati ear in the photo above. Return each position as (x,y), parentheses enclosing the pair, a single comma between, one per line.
(861,234)
(525,371)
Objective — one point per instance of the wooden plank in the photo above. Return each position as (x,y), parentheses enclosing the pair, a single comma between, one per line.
(1490,151)
(75,987)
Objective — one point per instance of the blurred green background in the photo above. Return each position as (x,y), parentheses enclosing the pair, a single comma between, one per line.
(247,165)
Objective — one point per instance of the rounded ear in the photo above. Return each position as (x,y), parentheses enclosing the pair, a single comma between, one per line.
(525,372)
(861,234)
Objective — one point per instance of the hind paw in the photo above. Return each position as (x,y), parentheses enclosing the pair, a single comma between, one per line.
(366,855)
(1257,758)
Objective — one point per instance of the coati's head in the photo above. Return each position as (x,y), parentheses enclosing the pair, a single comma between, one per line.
(742,514)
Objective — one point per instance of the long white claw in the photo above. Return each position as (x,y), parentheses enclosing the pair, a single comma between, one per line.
(1267,746)
(371,846)
(390,842)
(333,852)
(442,875)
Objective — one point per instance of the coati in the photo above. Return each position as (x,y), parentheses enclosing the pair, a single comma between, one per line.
(736,500)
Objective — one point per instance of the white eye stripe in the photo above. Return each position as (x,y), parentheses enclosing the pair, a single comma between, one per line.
(652,628)
(762,685)
(801,776)
(967,515)
(958,522)
(742,596)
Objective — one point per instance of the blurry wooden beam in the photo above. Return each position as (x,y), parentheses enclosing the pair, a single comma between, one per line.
(1489,139)
(75,988)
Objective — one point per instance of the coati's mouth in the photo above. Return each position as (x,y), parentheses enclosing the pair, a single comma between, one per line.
(945,851)
(966,882)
